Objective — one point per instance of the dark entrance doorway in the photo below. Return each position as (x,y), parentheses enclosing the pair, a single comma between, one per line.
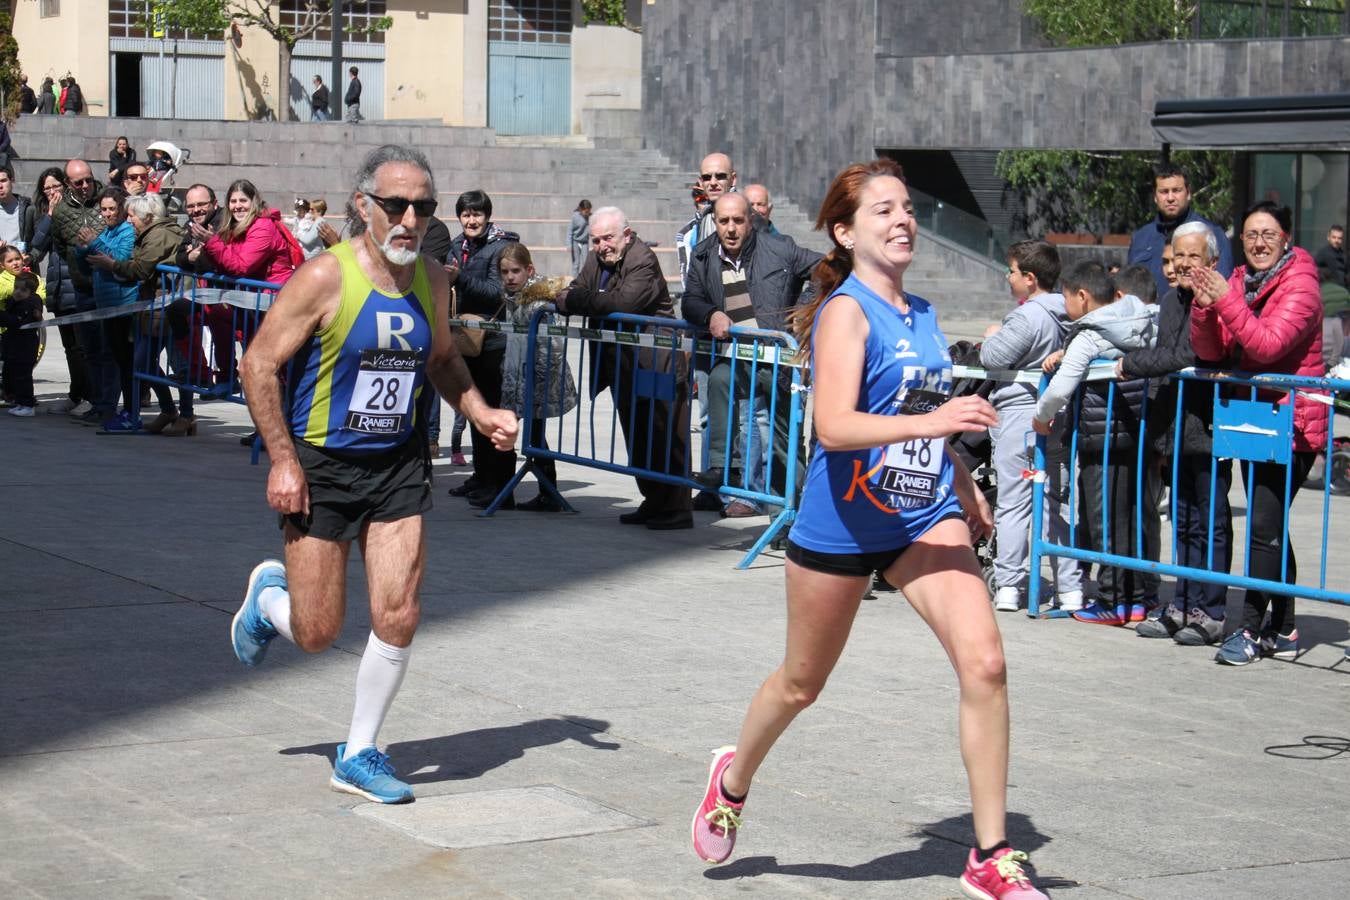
(126,84)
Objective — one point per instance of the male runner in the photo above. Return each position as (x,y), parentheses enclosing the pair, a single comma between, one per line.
(363,327)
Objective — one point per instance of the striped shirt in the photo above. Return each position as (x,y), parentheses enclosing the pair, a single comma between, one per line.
(736,292)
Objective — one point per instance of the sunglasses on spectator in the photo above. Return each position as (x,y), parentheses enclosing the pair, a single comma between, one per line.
(80,182)
(715,176)
(395,207)
(137,176)
(1268,237)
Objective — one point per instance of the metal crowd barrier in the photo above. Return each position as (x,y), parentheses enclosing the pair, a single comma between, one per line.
(1250,425)
(652,355)
(229,309)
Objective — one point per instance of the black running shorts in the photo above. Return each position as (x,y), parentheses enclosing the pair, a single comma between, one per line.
(347,490)
(853,565)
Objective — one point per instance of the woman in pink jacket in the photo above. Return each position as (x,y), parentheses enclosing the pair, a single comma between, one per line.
(1267,318)
(251,243)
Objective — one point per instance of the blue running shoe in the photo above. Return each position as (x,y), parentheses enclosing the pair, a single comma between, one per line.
(250,632)
(1097,614)
(1280,646)
(122,423)
(368,774)
(1239,649)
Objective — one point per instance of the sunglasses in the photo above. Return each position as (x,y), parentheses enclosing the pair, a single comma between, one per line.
(139,176)
(80,182)
(395,207)
(715,176)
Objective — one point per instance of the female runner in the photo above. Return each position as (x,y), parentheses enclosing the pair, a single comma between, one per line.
(882,495)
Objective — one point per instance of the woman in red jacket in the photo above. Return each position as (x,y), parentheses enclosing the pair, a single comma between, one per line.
(251,243)
(1268,318)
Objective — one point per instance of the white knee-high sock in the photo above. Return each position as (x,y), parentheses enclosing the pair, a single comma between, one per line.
(276,606)
(377,681)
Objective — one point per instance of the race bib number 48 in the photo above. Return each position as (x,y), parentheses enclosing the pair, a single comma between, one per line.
(383,394)
(912,469)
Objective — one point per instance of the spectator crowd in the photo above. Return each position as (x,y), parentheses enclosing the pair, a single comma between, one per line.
(82,243)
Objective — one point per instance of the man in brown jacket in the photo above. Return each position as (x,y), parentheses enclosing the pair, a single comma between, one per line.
(649,387)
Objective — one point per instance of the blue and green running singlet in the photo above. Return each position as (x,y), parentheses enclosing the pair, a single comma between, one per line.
(355,384)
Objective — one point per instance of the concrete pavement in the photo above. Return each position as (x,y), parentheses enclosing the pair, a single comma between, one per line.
(568,681)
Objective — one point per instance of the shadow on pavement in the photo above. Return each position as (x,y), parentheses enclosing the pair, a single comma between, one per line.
(942,853)
(458,757)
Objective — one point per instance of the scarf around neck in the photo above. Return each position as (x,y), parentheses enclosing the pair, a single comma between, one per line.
(1252,282)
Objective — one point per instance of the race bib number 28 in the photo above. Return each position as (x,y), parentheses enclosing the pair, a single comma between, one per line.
(383,394)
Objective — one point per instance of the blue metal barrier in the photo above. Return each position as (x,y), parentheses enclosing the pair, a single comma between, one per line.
(225,307)
(651,355)
(1252,423)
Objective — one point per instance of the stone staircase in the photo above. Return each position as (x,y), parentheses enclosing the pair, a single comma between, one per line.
(534,184)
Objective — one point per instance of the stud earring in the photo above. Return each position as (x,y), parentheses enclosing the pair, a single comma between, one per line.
(848,245)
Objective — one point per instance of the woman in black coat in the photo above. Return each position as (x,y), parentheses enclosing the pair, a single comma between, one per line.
(121,156)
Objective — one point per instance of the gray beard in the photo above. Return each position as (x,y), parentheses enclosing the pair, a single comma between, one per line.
(397,255)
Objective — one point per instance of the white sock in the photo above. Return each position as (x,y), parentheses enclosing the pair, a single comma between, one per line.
(276,606)
(377,681)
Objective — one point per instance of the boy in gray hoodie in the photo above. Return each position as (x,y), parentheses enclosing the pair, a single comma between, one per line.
(1103,327)
(1029,334)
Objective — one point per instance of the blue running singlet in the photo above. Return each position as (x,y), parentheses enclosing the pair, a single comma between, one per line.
(864,501)
(354,385)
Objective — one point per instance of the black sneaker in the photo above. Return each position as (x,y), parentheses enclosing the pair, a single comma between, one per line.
(707,501)
(638,516)
(464,489)
(671,520)
(541,503)
(481,499)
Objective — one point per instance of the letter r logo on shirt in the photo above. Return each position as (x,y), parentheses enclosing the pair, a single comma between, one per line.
(390,328)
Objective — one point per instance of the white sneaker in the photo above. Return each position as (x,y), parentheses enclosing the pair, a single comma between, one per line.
(81,408)
(1070,601)
(63,405)
(25,411)
(1007,599)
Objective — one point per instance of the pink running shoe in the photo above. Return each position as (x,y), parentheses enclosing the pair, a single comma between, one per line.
(457,459)
(1000,877)
(717,819)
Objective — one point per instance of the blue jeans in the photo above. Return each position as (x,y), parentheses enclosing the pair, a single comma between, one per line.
(1193,503)
(433,415)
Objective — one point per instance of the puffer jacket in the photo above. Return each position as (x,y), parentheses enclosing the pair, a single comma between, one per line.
(1126,410)
(478,288)
(262,254)
(61,297)
(69,216)
(1106,332)
(116,243)
(1280,333)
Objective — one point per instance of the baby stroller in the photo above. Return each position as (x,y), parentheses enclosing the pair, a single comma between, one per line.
(163,160)
(975,449)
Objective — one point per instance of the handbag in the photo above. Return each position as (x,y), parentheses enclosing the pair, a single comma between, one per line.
(469,341)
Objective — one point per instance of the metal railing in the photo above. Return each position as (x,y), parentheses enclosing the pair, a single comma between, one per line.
(1252,425)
